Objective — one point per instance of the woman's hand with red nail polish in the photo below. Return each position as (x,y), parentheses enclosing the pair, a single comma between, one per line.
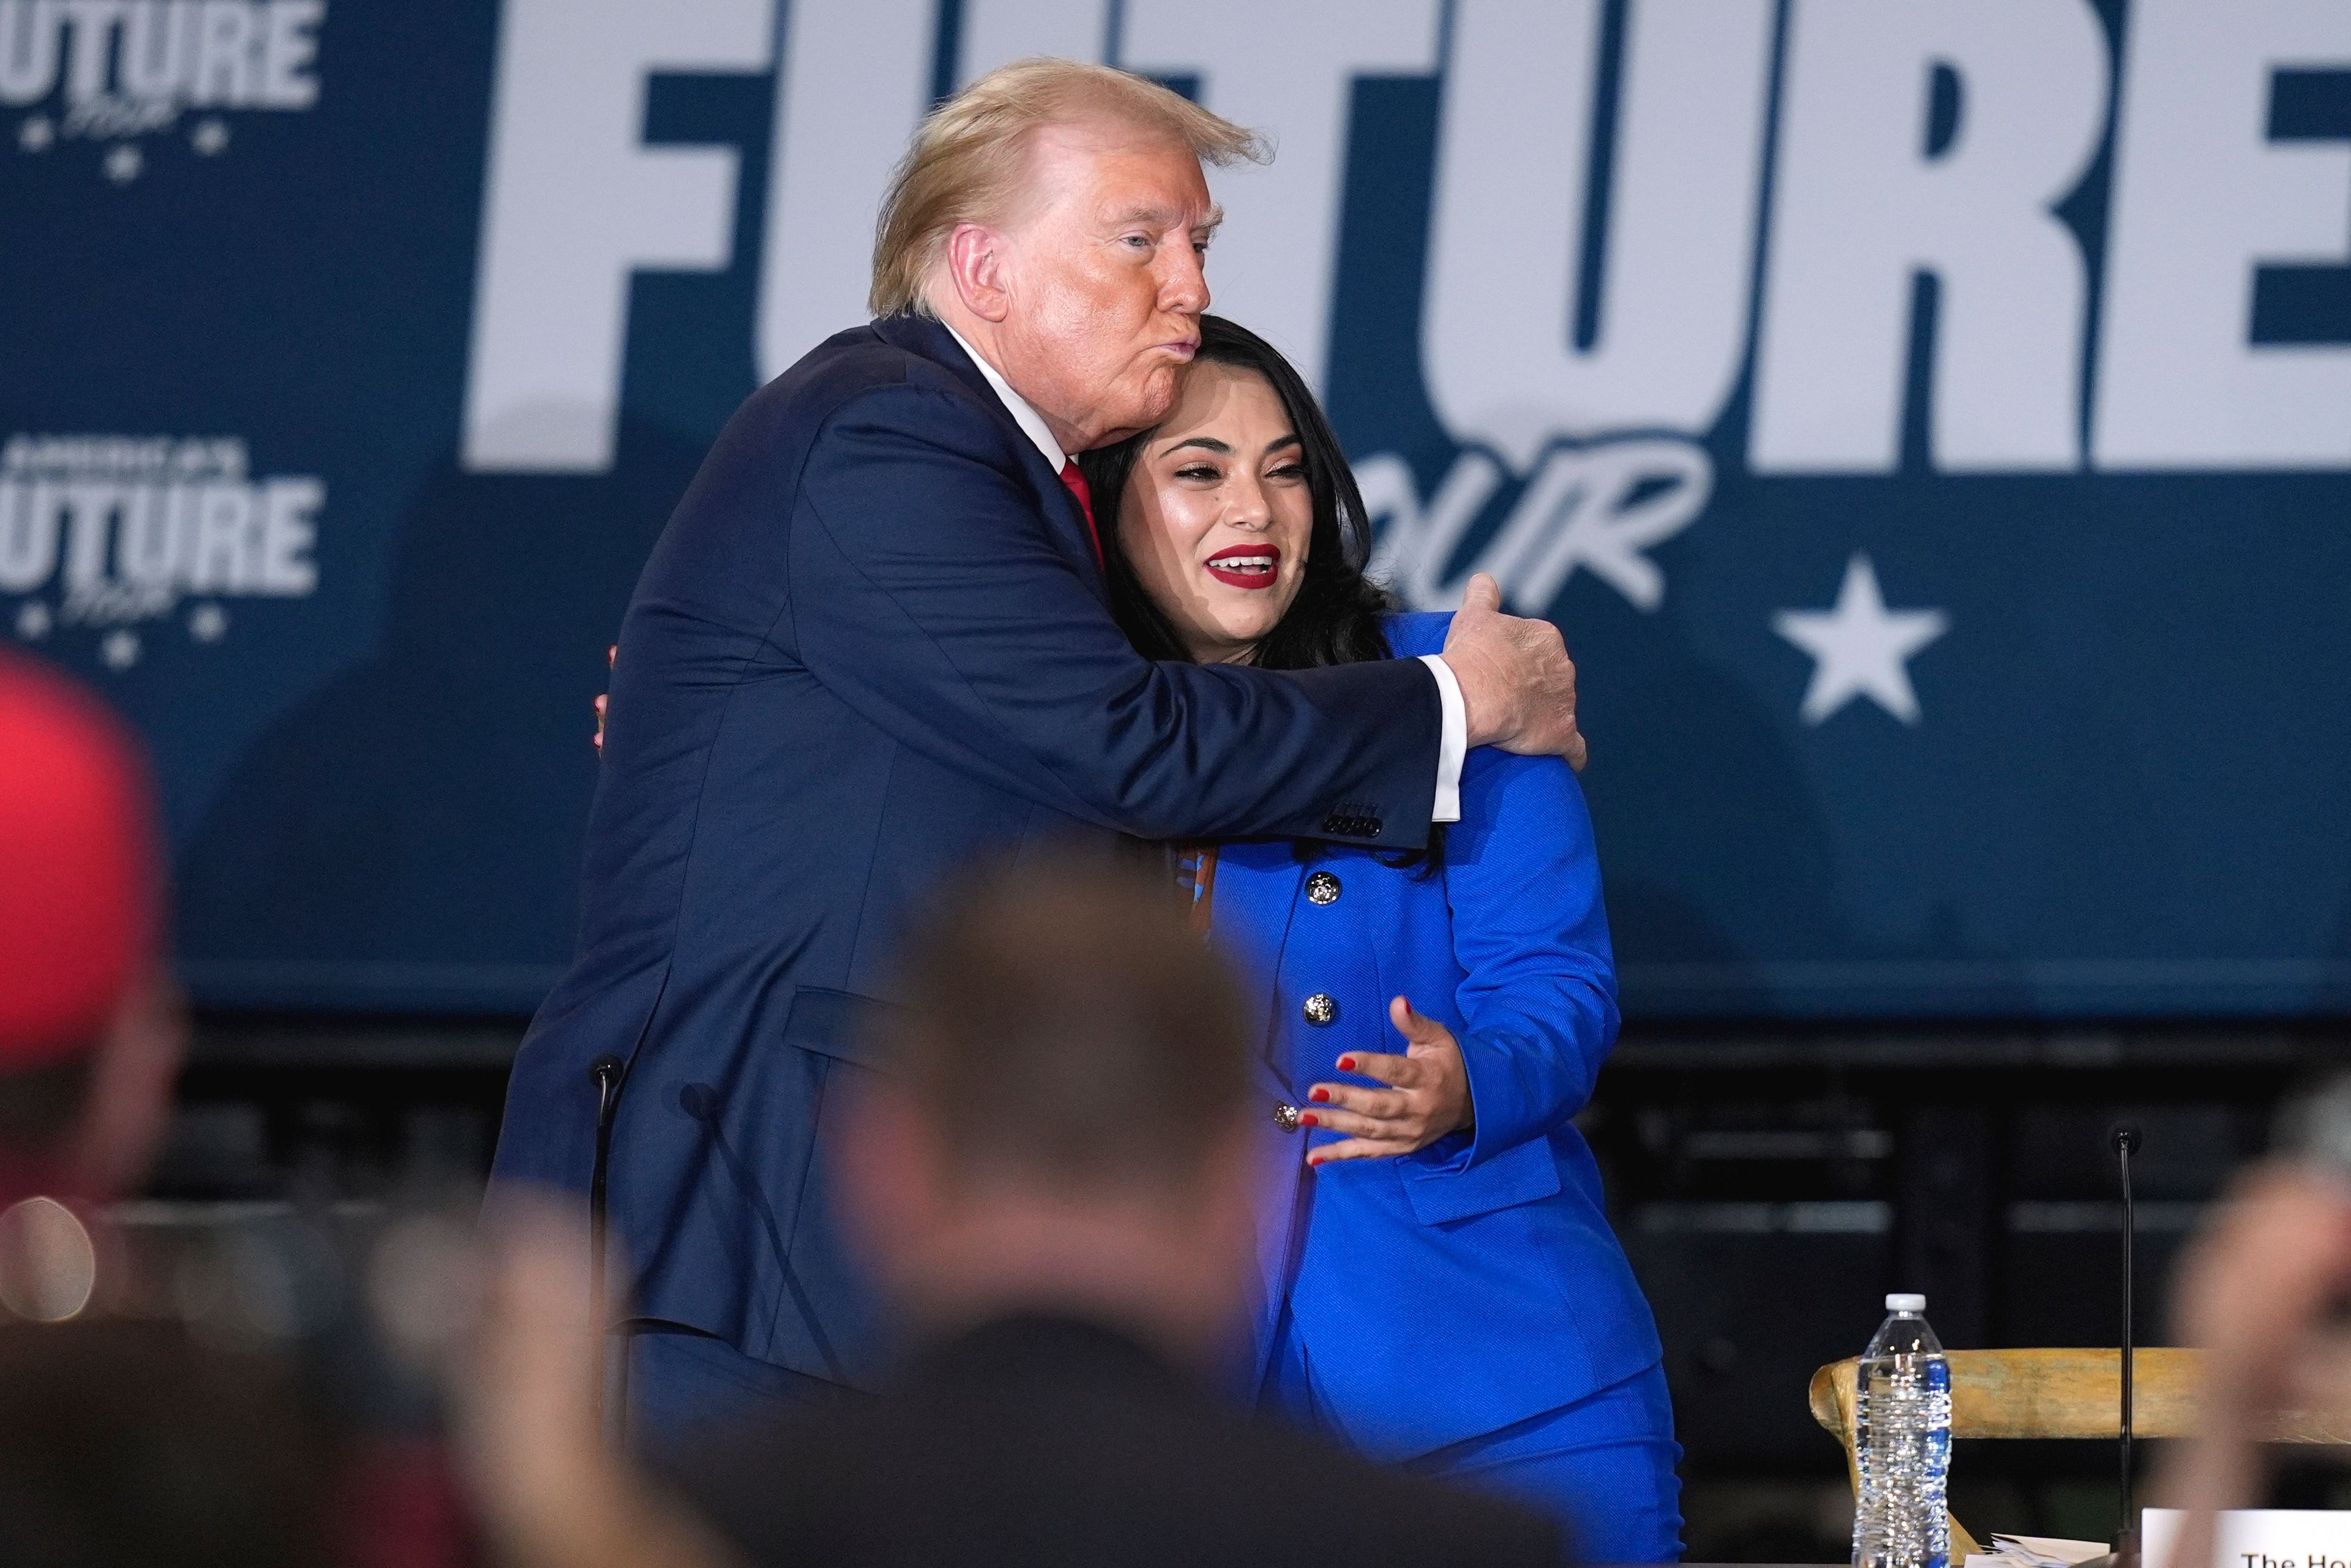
(1426,1097)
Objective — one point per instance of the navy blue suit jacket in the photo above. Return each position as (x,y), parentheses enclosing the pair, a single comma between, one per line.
(1449,1293)
(870,645)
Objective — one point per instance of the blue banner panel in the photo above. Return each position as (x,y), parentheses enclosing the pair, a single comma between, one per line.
(1931,425)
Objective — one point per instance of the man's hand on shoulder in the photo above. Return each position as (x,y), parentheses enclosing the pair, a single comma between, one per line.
(1517,684)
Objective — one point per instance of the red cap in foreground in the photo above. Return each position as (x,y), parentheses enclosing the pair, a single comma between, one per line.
(79,883)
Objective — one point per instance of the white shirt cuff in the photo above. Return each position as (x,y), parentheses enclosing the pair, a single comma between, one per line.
(1454,746)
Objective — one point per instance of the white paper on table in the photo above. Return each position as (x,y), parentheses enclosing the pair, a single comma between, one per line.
(2035,1552)
(2255,1538)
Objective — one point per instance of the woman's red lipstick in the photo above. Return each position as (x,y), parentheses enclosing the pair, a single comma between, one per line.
(1246,566)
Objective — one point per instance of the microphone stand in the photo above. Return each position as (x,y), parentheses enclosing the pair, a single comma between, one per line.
(2125,1141)
(606,1073)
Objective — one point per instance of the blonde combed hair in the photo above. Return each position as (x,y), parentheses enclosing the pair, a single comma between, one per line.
(971,157)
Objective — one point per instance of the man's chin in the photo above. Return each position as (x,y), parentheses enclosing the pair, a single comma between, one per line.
(1151,403)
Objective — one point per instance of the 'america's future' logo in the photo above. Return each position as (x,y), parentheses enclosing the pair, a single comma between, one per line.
(115,71)
(113,535)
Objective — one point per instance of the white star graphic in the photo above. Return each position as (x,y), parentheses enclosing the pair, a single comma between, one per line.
(1861,649)
(124,163)
(209,137)
(207,623)
(33,621)
(118,649)
(36,133)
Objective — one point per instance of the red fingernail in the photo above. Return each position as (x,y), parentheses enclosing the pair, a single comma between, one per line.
(1346,1064)
(1320,1094)
(1307,1119)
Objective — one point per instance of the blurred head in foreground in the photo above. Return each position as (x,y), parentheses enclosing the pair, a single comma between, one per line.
(120,1444)
(1064,1127)
(1051,1176)
(90,1029)
(2263,1291)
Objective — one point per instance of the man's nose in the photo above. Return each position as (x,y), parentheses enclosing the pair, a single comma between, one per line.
(1184,287)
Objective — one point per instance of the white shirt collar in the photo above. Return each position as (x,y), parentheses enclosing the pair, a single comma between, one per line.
(1032,423)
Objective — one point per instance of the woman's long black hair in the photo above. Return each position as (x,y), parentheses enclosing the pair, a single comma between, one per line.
(1335,619)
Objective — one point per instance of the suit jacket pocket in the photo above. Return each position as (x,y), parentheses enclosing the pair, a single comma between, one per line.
(1516,1175)
(838,1024)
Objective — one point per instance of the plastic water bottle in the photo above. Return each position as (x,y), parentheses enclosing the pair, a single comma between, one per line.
(1902,1437)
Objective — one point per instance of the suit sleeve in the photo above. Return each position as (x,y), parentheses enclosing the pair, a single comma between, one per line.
(1538,998)
(927,593)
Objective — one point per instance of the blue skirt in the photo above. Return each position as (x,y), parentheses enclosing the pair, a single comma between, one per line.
(1602,1466)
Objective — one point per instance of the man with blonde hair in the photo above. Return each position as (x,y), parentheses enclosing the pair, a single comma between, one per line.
(873,643)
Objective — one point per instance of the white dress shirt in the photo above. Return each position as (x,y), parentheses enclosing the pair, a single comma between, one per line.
(1453,738)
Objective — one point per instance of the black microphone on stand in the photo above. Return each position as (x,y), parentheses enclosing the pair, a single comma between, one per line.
(2124,1137)
(605,1072)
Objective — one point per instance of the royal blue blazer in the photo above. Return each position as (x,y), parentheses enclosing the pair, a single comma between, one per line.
(872,645)
(1449,1293)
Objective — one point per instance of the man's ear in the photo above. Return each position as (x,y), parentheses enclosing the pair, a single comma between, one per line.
(1233,1177)
(974,262)
(889,1169)
(132,1076)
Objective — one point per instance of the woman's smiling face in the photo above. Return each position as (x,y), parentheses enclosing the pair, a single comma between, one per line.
(1217,515)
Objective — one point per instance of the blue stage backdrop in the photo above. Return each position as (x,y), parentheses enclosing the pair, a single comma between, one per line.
(1930,423)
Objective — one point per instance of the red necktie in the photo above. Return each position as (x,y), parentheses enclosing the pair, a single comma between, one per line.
(1076,480)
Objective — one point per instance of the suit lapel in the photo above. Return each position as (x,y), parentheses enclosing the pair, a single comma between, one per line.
(926,338)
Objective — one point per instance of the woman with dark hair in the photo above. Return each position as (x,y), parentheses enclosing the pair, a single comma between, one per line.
(1446,1291)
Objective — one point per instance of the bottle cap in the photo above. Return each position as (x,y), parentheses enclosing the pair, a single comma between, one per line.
(1901,1303)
